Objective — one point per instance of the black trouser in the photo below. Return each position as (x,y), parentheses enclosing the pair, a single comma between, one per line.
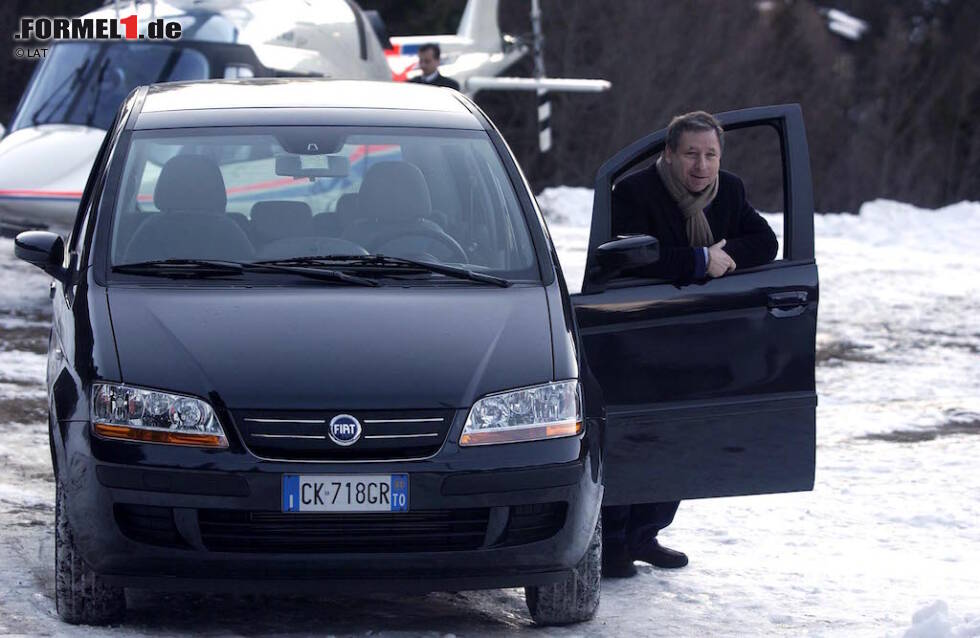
(635,526)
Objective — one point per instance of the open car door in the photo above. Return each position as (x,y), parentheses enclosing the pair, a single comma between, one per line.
(708,387)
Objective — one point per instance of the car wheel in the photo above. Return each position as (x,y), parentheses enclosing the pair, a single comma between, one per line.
(82,597)
(574,599)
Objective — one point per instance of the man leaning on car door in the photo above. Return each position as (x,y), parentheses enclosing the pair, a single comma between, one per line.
(706,229)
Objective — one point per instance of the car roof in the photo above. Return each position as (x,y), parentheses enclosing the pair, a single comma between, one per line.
(298,93)
(297,100)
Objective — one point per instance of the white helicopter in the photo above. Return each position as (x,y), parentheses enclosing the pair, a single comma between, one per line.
(72,98)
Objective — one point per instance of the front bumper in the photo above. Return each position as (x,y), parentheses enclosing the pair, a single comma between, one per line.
(144,515)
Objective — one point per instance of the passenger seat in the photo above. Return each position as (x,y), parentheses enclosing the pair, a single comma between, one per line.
(190,194)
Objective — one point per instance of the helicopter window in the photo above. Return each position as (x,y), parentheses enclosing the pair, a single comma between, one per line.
(359,19)
(84,82)
(186,64)
(208,27)
(426,193)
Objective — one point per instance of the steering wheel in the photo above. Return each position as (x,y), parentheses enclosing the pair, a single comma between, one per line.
(381,240)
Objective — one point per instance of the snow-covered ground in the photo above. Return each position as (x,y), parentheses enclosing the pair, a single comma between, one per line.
(887,544)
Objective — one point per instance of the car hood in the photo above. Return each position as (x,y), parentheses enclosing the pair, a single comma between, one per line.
(329,347)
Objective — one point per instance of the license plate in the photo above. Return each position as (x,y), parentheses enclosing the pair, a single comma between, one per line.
(345,493)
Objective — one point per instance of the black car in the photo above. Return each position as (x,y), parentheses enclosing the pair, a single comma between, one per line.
(312,334)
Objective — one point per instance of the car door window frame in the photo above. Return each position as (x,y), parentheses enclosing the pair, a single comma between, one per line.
(786,119)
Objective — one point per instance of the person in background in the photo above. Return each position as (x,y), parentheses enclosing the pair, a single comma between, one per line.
(429,55)
(706,229)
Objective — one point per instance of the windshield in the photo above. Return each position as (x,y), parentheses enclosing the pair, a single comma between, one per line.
(85,82)
(262,194)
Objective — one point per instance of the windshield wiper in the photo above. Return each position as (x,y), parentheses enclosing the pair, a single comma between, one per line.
(180,268)
(97,91)
(385,261)
(70,83)
(205,267)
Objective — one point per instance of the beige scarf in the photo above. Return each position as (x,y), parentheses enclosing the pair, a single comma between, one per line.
(692,205)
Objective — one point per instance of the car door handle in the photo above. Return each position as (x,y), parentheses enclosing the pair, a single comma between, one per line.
(787,304)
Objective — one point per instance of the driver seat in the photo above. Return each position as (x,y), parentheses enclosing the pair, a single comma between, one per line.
(393,203)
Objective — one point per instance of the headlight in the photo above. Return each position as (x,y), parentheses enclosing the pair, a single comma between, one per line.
(138,414)
(540,412)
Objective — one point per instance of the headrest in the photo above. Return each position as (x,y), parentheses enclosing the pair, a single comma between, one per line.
(276,219)
(190,183)
(394,191)
(346,205)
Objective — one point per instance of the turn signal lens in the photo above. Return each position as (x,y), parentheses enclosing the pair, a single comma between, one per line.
(152,436)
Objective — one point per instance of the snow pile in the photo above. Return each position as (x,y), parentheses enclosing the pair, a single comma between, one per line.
(935,621)
(567,205)
(895,224)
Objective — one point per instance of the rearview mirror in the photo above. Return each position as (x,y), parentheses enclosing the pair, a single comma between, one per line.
(312,165)
(44,249)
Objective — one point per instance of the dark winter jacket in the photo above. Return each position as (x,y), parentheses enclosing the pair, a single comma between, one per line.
(439,80)
(641,205)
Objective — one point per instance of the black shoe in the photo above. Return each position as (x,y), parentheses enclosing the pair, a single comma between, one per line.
(660,556)
(617,562)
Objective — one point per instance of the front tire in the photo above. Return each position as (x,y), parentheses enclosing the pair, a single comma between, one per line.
(574,599)
(82,597)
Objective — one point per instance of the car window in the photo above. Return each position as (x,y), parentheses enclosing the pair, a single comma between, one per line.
(254,194)
(755,155)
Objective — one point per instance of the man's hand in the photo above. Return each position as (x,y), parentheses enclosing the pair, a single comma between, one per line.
(719,263)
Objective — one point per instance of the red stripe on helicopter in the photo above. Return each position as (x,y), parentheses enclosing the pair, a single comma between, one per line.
(397,51)
(27,193)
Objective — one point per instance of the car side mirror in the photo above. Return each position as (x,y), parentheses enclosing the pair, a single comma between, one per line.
(624,253)
(44,249)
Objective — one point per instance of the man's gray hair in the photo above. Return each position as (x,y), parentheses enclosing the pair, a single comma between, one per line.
(693,122)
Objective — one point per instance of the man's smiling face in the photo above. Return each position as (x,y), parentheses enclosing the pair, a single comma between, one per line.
(696,160)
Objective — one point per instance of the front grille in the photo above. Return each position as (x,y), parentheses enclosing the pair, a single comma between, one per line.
(532,523)
(148,524)
(274,532)
(303,435)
